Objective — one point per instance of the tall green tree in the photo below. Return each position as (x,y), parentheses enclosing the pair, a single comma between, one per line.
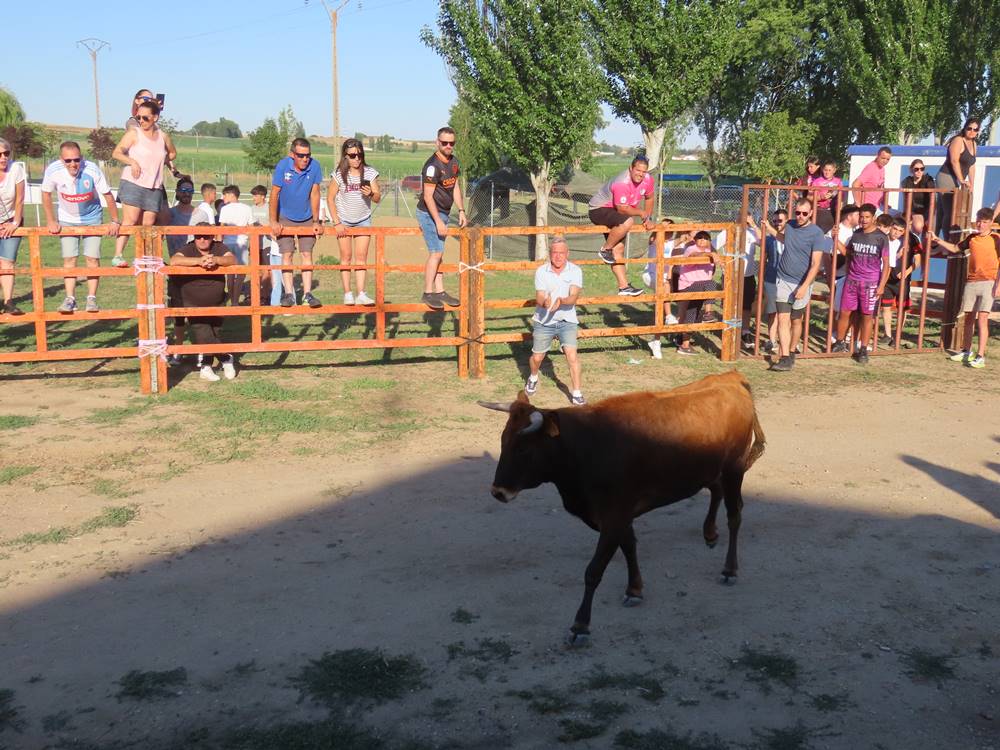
(266,145)
(526,71)
(11,112)
(289,125)
(476,153)
(777,148)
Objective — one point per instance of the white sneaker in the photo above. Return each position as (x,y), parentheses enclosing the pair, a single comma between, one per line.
(647,279)
(348,298)
(207,373)
(363,299)
(229,370)
(671,319)
(655,348)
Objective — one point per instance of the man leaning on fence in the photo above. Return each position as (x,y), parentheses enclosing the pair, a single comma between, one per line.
(79,185)
(557,287)
(295,203)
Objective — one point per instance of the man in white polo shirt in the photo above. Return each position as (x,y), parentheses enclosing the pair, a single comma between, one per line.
(80,185)
(557,287)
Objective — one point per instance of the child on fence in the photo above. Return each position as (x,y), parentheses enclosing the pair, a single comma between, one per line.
(671,242)
(695,277)
(269,253)
(981,285)
(867,272)
(899,276)
(236,214)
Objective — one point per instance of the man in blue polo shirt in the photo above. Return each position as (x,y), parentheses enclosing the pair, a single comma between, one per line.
(294,202)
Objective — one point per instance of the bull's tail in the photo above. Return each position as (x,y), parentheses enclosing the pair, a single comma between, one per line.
(759,441)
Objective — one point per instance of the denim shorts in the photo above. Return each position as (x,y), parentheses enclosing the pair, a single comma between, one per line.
(435,243)
(542,335)
(148,199)
(365,222)
(8,248)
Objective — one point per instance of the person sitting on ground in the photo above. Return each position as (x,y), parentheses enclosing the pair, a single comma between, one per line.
(900,275)
(797,269)
(208,290)
(557,287)
(236,214)
(981,285)
(349,197)
(623,200)
(695,277)
(79,185)
(12,184)
(867,272)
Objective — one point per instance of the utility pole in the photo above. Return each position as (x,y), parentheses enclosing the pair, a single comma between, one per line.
(336,92)
(93,46)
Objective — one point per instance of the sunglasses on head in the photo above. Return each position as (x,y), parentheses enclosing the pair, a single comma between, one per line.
(306,155)
(77,160)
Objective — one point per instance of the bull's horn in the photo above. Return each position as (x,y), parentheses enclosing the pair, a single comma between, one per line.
(495,405)
(534,425)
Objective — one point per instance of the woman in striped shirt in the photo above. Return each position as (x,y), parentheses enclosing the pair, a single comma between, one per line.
(352,190)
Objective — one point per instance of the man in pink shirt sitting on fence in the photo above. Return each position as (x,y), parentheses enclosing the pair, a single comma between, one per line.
(617,205)
(869,187)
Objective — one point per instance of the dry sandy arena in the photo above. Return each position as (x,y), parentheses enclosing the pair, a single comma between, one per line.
(358,587)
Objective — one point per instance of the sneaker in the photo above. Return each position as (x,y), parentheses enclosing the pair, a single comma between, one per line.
(287,300)
(175,360)
(710,317)
(977,362)
(839,347)
(348,298)
(655,347)
(92,304)
(530,386)
(431,300)
(68,305)
(228,369)
(9,308)
(578,400)
(783,365)
(119,262)
(364,299)
(607,255)
(862,358)
(309,299)
(207,373)
(768,347)
(747,339)
(962,357)
(647,279)
(629,291)
(887,341)
(670,320)
(448,299)
(687,351)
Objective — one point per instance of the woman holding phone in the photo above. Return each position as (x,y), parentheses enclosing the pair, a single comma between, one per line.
(352,190)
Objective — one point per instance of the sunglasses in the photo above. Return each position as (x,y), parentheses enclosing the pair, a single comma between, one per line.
(917,169)
(802,213)
(447,143)
(145,118)
(77,160)
(306,155)
(354,156)
(973,129)
(203,237)
(144,98)
(185,190)
(4,153)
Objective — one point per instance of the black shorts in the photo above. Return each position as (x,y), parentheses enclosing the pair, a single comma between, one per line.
(749,292)
(607,216)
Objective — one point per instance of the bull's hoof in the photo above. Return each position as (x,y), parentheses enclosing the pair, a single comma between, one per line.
(631,600)
(577,640)
(710,543)
(728,578)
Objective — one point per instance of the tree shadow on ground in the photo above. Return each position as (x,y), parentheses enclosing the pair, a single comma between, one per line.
(982,491)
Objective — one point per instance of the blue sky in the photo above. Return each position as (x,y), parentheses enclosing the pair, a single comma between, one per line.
(211,60)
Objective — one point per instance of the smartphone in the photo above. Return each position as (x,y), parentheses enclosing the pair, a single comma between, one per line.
(160,98)
(366,183)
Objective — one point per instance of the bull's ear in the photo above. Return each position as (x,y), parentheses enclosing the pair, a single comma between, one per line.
(522,397)
(551,426)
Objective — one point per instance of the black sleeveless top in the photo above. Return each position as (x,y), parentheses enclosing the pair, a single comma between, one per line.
(965,161)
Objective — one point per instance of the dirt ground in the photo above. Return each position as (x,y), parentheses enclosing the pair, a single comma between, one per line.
(865,615)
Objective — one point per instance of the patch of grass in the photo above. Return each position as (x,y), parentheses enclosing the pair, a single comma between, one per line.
(829,703)
(359,675)
(266,390)
(574,730)
(115,415)
(925,665)
(544,701)
(57,535)
(442,708)
(16,421)
(648,688)
(329,733)
(109,517)
(246,668)
(656,739)
(765,667)
(143,686)
(115,489)
(57,722)
(790,738)
(606,711)
(10,474)
(369,384)
(487,649)
(9,715)
(463,617)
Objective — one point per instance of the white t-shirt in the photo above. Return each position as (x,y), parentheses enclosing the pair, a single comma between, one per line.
(260,218)
(78,198)
(352,205)
(8,188)
(557,285)
(668,250)
(749,250)
(208,209)
(236,214)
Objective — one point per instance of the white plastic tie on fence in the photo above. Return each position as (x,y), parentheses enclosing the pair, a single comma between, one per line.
(147,264)
(153,348)
(142,306)
(463,267)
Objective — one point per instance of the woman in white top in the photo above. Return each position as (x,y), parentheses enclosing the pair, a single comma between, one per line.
(352,190)
(12,181)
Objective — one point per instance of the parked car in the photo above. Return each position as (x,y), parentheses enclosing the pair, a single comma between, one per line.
(411,182)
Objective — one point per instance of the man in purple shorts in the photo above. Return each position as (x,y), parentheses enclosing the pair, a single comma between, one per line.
(867,272)
(617,206)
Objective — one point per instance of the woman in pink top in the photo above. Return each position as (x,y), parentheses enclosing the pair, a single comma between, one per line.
(695,277)
(144,151)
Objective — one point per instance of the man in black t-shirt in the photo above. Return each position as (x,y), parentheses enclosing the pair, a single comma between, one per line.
(439,192)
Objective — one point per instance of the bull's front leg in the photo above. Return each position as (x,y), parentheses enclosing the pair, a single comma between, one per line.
(606,545)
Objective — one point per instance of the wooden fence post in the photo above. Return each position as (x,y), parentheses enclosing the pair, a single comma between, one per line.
(730,299)
(477,305)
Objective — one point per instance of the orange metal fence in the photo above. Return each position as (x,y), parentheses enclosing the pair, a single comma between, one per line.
(151,314)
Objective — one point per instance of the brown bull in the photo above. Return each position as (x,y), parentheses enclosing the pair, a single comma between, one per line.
(624,456)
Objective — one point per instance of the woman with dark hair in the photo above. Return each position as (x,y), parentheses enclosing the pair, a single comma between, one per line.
(811,173)
(142,95)
(349,197)
(920,203)
(959,170)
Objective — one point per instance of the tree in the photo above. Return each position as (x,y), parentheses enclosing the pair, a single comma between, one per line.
(266,145)
(102,143)
(11,112)
(525,70)
(221,128)
(656,75)
(289,125)
(385,144)
(358,135)
(776,151)
(476,154)
(413,147)
(27,139)
(168,125)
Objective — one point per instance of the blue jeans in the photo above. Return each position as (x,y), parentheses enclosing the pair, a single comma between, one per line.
(542,335)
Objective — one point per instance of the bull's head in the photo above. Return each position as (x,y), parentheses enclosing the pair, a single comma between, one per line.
(526,447)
